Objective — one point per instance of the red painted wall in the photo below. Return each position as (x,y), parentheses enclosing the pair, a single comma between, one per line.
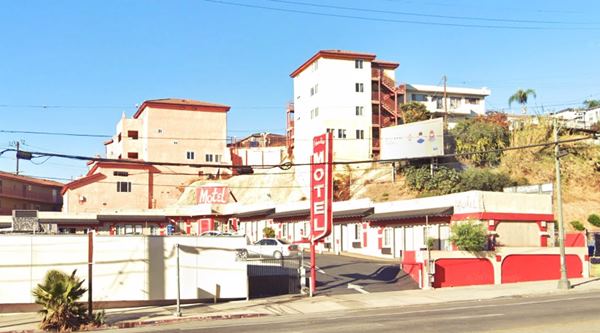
(519,268)
(463,272)
(576,239)
(410,265)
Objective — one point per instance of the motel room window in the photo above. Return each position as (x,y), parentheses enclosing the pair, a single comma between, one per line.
(387,237)
(359,110)
(153,230)
(123,186)
(218,158)
(472,100)
(357,231)
(360,134)
(419,98)
(341,133)
(208,157)
(359,87)
(137,229)
(454,102)
(284,230)
(358,63)
(190,155)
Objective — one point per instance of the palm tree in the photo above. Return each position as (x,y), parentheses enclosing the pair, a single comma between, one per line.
(521,97)
(58,296)
(591,104)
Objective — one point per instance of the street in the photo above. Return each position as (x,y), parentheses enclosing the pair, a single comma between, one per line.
(572,312)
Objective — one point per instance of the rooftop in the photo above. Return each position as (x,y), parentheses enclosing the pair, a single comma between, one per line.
(181,104)
(451,90)
(334,54)
(31,180)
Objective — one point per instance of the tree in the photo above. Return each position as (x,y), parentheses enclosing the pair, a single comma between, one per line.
(468,236)
(58,295)
(591,103)
(268,232)
(414,111)
(473,135)
(521,96)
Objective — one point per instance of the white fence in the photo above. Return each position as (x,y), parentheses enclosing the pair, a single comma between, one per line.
(135,268)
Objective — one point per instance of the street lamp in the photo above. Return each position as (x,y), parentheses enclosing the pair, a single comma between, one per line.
(563,283)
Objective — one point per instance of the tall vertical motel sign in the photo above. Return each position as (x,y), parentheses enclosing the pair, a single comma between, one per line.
(321,196)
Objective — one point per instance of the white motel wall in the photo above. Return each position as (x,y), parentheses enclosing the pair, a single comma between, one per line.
(125,268)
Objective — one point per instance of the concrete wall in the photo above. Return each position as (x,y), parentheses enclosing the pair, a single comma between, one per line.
(125,268)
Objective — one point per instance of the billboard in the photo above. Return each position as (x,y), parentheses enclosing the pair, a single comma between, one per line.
(418,139)
(321,187)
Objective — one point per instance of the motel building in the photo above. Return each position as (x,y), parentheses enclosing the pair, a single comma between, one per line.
(521,232)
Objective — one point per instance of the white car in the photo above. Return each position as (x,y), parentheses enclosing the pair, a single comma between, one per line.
(273,247)
(214,233)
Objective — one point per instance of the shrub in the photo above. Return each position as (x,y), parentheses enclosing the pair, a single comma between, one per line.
(468,236)
(58,295)
(474,135)
(443,181)
(594,220)
(268,232)
(414,111)
(484,180)
(577,225)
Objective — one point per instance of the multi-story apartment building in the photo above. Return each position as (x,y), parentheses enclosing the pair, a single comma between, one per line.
(460,102)
(21,192)
(351,94)
(180,131)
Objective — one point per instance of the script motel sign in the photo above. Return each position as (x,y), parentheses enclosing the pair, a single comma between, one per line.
(321,183)
(212,195)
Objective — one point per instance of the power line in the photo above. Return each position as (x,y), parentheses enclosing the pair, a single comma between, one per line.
(393,12)
(379,19)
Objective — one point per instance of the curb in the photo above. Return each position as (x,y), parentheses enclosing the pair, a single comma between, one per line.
(131,324)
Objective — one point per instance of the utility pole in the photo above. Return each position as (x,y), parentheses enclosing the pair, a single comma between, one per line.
(445,102)
(18,146)
(563,283)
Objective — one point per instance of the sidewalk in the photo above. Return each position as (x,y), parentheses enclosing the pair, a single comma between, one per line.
(277,306)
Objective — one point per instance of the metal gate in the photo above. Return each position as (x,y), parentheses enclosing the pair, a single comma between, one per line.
(271,277)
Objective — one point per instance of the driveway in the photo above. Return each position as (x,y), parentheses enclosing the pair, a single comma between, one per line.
(344,275)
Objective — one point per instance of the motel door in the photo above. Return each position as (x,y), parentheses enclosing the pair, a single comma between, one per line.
(344,237)
(337,238)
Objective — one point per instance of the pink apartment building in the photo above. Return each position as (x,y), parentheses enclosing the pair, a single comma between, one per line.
(163,130)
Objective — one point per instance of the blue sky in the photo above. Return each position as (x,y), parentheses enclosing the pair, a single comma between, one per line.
(89,61)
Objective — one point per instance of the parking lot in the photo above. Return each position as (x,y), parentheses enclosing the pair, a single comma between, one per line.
(344,275)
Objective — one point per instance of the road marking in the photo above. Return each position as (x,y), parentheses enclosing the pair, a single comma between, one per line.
(475,316)
(357,288)
(316,267)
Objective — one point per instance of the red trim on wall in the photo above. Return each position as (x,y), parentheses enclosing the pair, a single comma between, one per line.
(503,216)
(380,238)
(82,182)
(365,228)
(432,220)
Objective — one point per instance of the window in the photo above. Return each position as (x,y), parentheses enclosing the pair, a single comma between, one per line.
(218,158)
(454,102)
(316,88)
(29,188)
(153,230)
(387,237)
(128,229)
(312,91)
(358,63)
(137,229)
(123,186)
(119,137)
(439,102)
(190,155)
(0,186)
(315,65)
(208,157)
(284,230)
(132,155)
(132,134)
(357,232)
(341,133)
(330,130)
(359,110)
(314,113)
(120,173)
(419,98)
(360,134)
(359,87)
(159,131)
(472,100)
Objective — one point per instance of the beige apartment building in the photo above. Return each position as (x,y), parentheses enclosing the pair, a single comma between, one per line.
(180,132)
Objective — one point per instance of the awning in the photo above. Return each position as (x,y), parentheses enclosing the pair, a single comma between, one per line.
(260,212)
(131,218)
(410,214)
(68,221)
(350,213)
(290,214)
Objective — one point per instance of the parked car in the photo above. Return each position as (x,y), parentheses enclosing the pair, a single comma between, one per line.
(272,247)
(214,233)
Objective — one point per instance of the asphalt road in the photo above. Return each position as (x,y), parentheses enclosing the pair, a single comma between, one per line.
(573,312)
(336,272)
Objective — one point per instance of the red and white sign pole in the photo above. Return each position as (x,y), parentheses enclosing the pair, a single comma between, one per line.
(321,197)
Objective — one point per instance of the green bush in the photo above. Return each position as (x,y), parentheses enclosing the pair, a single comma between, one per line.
(268,232)
(484,180)
(577,225)
(443,181)
(414,111)
(474,135)
(594,220)
(468,236)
